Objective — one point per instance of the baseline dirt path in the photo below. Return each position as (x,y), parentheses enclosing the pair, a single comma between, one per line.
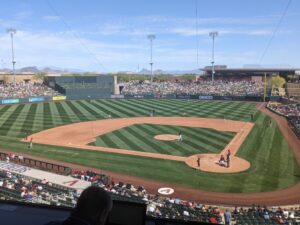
(286,196)
(78,135)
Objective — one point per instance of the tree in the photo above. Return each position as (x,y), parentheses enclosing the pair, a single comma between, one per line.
(40,76)
(277,81)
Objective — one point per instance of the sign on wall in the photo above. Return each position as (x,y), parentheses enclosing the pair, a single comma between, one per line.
(10,101)
(58,98)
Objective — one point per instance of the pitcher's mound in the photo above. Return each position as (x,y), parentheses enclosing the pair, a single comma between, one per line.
(209,163)
(166,137)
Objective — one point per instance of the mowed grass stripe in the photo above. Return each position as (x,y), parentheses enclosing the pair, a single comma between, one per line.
(162,109)
(138,109)
(77,112)
(113,105)
(147,106)
(70,113)
(107,107)
(118,140)
(189,145)
(170,147)
(56,116)
(130,142)
(130,112)
(216,135)
(62,112)
(210,142)
(10,120)
(108,142)
(38,122)
(273,159)
(211,111)
(47,118)
(15,130)
(9,116)
(4,109)
(5,113)
(29,120)
(139,145)
(257,153)
(164,147)
(141,135)
(223,109)
(103,110)
(178,148)
(228,111)
(91,109)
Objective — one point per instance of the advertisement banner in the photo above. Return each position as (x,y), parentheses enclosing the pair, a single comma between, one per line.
(183,96)
(10,101)
(37,99)
(206,97)
(117,96)
(58,98)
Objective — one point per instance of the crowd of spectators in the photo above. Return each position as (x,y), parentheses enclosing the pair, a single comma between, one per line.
(265,215)
(25,89)
(13,186)
(291,112)
(204,87)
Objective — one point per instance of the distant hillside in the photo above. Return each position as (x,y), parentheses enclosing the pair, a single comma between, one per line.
(34,69)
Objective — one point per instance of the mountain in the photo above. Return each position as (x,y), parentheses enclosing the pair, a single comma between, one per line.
(34,69)
(169,72)
(57,70)
(29,69)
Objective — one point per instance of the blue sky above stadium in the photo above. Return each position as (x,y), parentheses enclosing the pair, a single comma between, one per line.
(112,35)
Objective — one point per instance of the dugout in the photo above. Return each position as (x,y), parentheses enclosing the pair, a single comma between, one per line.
(84,87)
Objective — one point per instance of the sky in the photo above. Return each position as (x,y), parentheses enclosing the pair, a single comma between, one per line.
(110,36)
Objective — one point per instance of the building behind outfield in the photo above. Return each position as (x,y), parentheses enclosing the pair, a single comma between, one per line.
(255,74)
(83,87)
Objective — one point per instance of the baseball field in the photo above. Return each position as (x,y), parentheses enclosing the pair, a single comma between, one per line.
(273,165)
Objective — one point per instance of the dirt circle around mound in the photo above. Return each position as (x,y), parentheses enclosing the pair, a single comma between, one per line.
(210,163)
(166,137)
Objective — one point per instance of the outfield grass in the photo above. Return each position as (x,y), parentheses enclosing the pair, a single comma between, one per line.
(273,165)
(140,137)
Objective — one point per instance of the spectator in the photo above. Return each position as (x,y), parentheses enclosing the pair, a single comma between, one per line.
(93,207)
(227,217)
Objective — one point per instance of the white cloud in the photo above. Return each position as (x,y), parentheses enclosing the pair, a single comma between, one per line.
(63,50)
(141,26)
(189,31)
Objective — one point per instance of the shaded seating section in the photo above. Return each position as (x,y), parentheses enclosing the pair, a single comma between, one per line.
(262,215)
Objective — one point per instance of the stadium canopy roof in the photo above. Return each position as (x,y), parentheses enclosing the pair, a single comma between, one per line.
(251,71)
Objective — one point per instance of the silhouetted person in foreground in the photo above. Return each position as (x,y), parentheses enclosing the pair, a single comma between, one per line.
(92,208)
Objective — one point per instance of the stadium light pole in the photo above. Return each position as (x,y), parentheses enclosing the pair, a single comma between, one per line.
(213,35)
(12,31)
(151,37)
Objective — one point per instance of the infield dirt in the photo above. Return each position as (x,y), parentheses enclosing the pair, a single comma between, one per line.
(79,135)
